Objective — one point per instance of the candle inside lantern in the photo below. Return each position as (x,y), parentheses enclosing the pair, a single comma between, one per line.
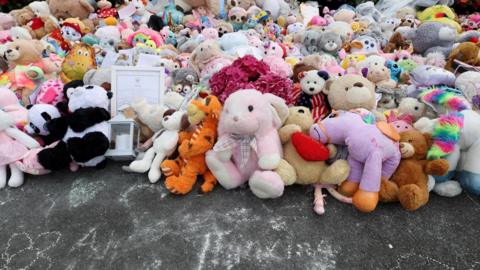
(122,142)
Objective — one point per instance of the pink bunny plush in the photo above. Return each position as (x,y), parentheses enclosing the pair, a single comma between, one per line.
(249,147)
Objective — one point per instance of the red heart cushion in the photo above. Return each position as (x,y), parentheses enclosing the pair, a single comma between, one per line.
(308,148)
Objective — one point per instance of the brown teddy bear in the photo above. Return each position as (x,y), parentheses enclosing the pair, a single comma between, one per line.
(349,92)
(41,26)
(467,52)
(409,183)
(28,52)
(64,9)
(294,169)
(23,16)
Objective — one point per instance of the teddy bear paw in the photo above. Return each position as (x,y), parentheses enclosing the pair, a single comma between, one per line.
(388,191)
(266,184)
(411,197)
(448,188)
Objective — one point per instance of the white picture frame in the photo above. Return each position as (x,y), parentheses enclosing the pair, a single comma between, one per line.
(130,83)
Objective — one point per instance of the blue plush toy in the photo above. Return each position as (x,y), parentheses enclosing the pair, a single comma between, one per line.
(395,70)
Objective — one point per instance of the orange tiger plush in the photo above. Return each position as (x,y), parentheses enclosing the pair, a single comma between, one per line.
(183,171)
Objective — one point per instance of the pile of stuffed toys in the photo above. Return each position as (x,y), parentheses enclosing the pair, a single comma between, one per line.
(366,104)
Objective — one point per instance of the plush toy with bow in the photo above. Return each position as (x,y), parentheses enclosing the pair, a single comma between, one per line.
(14,145)
(249,148)
(310,94)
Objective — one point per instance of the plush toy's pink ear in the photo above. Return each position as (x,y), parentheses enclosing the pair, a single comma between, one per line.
(279,109)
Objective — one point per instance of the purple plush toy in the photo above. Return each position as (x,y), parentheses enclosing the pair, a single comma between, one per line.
(371,154)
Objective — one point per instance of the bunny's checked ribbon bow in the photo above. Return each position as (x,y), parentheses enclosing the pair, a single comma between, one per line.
(245,143)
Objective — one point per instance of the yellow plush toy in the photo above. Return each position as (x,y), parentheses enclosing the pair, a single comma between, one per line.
(78,61)
(442,14)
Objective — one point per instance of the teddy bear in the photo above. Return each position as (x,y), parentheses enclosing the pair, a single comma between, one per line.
(208,58)
(14,145)
(274,53)
(28,52)
(373,153)
(249,148)
(63,9)
(41,26)
(310,41)
(409,183)
(350,92)
(379,75)
(294,169)
(164,144)
(331,43)
(275,7)
(22,16)
(310,93)
(182,172)
(466,52)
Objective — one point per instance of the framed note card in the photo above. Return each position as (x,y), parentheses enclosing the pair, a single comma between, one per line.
(130,83)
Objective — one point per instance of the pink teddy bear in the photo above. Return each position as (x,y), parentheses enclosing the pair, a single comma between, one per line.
(249,148)
(274,53)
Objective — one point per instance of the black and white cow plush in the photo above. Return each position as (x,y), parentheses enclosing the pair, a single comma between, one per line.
(46,122)
(88,133)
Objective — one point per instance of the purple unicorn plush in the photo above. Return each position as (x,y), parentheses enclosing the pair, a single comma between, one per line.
(372,156)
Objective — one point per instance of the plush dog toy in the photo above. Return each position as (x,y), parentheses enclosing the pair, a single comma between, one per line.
(182,172)
(164,145)
(373,153)
(249,148)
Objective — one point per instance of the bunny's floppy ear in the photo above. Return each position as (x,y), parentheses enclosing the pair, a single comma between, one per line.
(279,109)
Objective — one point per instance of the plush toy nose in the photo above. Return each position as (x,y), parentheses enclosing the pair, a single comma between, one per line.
(235,118)
(9,51)
(311,89)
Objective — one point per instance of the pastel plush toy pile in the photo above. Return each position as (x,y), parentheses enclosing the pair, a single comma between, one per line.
(371,103)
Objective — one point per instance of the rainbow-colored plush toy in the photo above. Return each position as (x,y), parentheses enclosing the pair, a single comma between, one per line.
(445,135)
(444,99)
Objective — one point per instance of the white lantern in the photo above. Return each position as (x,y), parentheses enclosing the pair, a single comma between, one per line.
(124,138)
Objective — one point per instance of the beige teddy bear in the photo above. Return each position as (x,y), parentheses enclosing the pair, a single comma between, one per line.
(293,169)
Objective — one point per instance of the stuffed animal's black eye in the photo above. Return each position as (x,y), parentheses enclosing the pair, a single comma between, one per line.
(346,88)
(165,118)
(301,111)
(250,108)
(17,48)
(416,108)
(332,115)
